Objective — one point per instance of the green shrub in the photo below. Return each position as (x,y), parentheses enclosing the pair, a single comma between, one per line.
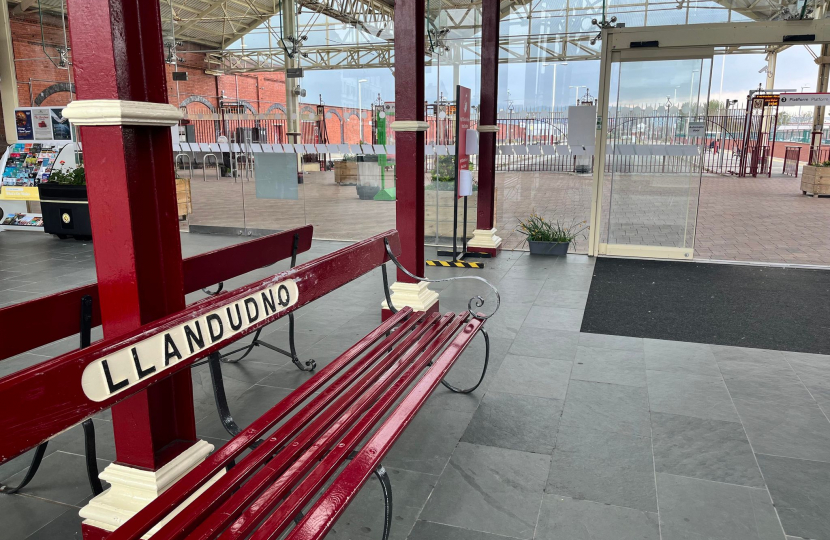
(72,177)
(537,229)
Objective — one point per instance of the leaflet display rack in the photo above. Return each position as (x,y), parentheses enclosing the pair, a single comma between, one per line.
(44,141)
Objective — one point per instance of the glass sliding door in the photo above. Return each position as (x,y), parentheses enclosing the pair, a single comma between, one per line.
(655,143)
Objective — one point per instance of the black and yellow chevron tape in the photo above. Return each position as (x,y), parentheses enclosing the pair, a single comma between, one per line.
(456,264)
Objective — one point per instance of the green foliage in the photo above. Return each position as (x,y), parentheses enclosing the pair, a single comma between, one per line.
(537,229)
(349,157)
(72,177)
(444,170)
(822,164)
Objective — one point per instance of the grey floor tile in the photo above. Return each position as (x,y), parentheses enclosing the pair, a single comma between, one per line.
(490,490)
(364,516)
(61,478)
(607,407)
(603,341)
(556,344)
(697,509)
(23,516)
(247,407)
(603,467)
(814,372)
(738,361)
(428,442)
(801,492)
(520,289)
(533,376)
(517,422)
(798,432)
(778,386)
(554,318)
(565,518)
(680,357)
(559,298)
(690,395)
(569,282)
(427,530)
(464,378)
(705,449)
(615,366)
(67,526)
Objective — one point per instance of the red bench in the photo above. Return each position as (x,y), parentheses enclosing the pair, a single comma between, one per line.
(57,320)
(321,423)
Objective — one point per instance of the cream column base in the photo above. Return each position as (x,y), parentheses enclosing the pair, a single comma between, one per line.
(418,296)
(484,238)
(132,489)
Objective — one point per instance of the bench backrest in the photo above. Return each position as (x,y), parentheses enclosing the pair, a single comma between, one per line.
(52,396)
(58,315)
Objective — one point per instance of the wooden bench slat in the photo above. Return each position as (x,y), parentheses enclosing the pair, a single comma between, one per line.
(40,414)
(330,506)
(406,372)
(182,524)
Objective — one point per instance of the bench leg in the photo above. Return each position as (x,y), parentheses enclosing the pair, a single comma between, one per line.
(483,371)
(91,458)
(386,486)
(310,365)
(219,395)
(36,459)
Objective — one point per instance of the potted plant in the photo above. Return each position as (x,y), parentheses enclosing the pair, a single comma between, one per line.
(815,179)
(64,204)
(548,237)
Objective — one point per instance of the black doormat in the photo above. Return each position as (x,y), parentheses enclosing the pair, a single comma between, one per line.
(786,309)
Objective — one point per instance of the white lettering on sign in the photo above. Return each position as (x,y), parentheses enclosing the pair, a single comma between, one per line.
(115,373)
(801,100)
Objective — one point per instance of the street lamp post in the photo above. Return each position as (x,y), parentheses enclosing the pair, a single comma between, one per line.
(360,106)
(553,97)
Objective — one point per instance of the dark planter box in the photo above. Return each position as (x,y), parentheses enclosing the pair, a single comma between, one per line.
(548,248)
(65,210)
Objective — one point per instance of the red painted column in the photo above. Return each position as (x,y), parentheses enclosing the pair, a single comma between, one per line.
(488,118)
(117,54)
(409,107)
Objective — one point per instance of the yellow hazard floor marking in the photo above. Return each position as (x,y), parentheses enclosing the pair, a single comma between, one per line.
(456,264)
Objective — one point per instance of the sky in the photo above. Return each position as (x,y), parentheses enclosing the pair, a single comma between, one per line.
(531,85)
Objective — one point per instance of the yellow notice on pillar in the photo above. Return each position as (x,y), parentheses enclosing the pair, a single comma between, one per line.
(19,193)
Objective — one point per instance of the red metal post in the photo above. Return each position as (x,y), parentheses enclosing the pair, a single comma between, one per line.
(488,114)
(409,108)
(117,54)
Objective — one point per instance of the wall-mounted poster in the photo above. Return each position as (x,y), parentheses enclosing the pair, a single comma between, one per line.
(42,124)
(23,119)
(60,126)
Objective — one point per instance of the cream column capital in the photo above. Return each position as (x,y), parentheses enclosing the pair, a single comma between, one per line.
(117,112)
(487,129)
(409,125)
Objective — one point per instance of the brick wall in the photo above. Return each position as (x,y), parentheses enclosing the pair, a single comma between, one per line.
(36,72)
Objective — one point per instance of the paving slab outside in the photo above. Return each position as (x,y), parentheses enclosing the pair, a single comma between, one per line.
(738,219)
(572,436)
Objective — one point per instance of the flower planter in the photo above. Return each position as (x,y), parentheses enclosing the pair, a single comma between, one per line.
(548,248)
(65,210)
(345,173)
(815,181)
